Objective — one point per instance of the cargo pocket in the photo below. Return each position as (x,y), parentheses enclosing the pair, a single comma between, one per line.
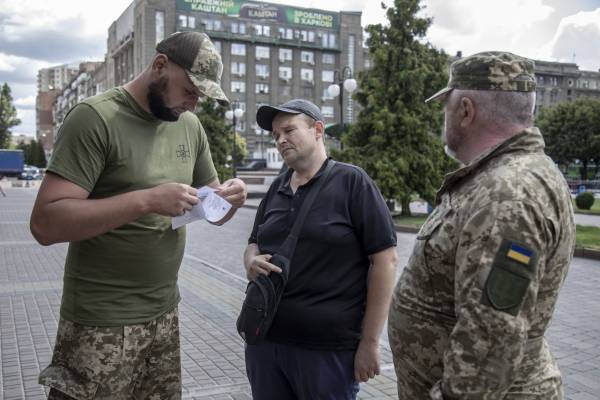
(505,290)
(68,382)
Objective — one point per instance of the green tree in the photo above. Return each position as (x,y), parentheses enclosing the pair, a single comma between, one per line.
(39,155)
(396,135)
(8,116)
(572,133)
(220,134)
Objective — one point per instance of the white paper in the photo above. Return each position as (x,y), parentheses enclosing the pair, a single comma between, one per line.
(210,206)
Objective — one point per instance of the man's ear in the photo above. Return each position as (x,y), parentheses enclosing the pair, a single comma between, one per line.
(159,64)
(467,112)
(319,129)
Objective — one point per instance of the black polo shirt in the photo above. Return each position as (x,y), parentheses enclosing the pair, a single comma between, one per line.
(324,301)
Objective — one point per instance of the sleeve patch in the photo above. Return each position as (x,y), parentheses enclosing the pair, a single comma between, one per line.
(510,275)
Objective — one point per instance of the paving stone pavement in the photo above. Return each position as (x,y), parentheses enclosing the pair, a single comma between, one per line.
(212,285)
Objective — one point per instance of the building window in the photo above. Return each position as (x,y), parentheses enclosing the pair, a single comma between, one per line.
(328,40)
(239,28)
(328,58)
(327,111)
(262,70)
(217,46)
(160,25)
(238,68)
(262,52)
(186,21)
(238,87)
(307,74)
(262,30)
(218,25)
(285,73)
(327,76)
(262,88)
(311,36)
(307,57)
(285,90)
(326,95)
(285,55)
(238,49)
(307,92)
(208,24)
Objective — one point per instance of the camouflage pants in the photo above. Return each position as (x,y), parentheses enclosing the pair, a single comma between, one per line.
(125,362)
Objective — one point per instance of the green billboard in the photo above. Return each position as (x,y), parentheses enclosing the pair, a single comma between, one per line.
(263,12)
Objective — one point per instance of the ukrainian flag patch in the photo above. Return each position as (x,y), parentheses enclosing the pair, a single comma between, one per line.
(519,254)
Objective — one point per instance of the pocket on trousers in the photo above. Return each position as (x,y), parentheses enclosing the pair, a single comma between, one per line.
(68,382)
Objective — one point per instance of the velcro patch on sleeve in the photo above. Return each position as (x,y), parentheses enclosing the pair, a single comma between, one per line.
(513,269)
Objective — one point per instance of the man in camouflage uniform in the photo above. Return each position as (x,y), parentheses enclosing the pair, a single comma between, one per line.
(470,310)
(125,162)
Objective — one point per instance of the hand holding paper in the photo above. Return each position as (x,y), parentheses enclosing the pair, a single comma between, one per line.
(211,207)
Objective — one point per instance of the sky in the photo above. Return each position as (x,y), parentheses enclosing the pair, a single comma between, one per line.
(37,34)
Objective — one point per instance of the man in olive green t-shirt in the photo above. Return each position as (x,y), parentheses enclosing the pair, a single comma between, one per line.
(125,162)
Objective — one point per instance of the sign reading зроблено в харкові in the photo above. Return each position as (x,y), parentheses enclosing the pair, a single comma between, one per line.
(262,11)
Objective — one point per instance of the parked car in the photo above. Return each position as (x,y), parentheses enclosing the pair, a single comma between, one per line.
(30,173)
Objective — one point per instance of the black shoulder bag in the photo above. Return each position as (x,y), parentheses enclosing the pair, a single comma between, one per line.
(264,293)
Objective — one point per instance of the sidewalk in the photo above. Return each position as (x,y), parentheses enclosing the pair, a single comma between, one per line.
(212,288)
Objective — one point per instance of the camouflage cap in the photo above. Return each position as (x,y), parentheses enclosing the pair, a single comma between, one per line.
(490,70)
(196,54)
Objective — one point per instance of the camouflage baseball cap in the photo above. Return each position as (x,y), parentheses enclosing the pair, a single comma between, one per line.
(195,53)
(490,70)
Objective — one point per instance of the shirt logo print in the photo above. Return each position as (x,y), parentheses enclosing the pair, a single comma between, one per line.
(183,152)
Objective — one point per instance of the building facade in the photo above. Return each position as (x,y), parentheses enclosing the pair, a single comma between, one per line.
(89,81)
(50,82)
(559,82)
(271,53)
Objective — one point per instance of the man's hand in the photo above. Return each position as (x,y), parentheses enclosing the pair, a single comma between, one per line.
(171,199)
(366,361)
(260,264)
(234,191)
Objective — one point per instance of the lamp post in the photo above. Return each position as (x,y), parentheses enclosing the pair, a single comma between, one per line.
(335,89)
(233,115)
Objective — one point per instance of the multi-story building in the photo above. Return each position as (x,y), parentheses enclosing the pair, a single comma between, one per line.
(271,53)
(50,82)
(559,82)
(89,81)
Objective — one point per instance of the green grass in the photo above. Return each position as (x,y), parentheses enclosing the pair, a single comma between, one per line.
(594,210)
(415,220)
(587,236)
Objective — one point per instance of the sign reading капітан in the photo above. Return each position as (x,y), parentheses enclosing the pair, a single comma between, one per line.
(262,11)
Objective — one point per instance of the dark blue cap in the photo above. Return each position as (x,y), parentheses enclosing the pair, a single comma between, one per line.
(266,114)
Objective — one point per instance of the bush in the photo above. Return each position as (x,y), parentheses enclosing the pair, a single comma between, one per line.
(584,200)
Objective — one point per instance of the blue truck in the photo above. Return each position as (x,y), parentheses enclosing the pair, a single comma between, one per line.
(12,162)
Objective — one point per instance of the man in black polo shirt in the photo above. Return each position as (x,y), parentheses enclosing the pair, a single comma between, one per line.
(325,336)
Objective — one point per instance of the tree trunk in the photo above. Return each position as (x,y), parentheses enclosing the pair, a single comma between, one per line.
(583,170)
(406,206)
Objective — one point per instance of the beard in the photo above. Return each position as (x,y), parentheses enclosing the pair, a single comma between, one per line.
(156,101)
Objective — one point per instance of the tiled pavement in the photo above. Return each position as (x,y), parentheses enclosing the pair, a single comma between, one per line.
(212,284)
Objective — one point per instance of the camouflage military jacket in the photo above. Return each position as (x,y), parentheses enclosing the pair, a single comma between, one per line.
(470,309)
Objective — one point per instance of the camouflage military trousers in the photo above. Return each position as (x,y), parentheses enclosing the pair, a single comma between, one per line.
(125,362)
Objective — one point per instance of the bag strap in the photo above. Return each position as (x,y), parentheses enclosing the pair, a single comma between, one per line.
(289,246)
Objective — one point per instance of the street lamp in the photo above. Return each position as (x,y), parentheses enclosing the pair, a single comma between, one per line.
(234,115)
(342,79)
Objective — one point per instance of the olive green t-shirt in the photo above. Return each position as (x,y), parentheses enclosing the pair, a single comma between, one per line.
(109,145)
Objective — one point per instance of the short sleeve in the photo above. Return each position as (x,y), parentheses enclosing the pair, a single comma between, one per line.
(204,169)
(371,217)
(81,147)
(258,220)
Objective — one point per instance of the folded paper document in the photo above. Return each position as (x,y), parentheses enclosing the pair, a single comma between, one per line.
(211,207)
